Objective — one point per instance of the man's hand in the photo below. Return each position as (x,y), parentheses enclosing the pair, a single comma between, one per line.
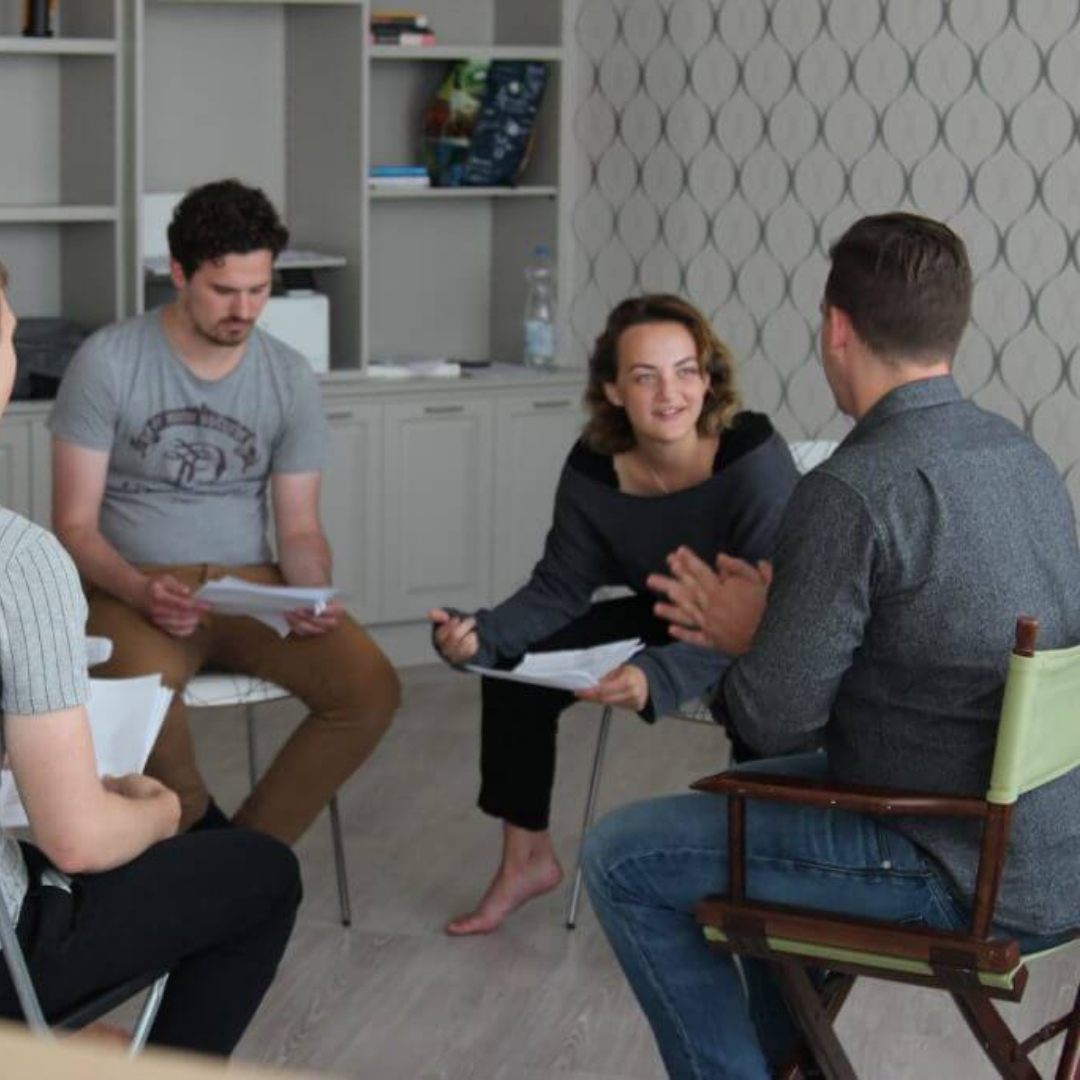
(455,637)
(626,686)
(304,622)
(134,786)
(141,788)
(168,604)
(718,608)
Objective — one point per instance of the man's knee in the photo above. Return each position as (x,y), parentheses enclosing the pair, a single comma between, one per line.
(369,688)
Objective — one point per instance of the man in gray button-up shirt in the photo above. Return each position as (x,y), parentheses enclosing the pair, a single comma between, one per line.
(901,565)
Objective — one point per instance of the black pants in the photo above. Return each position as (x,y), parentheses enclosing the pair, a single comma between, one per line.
(215,908)
(519,722)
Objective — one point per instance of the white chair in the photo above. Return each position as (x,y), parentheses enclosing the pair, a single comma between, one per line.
(807,455)
(218,690)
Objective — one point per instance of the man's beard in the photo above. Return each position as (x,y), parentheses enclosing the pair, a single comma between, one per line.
(237,336)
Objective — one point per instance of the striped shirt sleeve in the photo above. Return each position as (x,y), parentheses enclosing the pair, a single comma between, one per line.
(42,622)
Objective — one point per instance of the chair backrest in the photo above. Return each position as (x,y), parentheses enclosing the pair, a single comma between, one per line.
(1039,732)
(809,453)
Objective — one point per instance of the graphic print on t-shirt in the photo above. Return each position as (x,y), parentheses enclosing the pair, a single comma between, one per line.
(193,459)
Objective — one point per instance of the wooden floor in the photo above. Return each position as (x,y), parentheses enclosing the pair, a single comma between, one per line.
(395,999)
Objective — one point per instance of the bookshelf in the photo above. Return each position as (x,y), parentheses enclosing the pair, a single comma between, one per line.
(61,182)
(462,251)
(155,96)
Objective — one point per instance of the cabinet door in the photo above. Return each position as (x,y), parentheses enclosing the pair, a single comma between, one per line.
(533,437)
(15,467)
(437,504)
(349,506)
(41,473)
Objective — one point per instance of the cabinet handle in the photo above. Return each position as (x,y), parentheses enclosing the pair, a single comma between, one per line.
(561,404)
(443,410)
(345,414)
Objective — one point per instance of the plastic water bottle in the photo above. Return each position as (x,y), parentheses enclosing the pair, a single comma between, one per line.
(540,310)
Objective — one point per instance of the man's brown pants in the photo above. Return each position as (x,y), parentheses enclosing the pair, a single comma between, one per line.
(342,676)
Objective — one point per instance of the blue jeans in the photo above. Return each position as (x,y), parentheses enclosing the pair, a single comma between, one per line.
(648,864)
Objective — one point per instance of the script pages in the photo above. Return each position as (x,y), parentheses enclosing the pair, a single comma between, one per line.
(567,669)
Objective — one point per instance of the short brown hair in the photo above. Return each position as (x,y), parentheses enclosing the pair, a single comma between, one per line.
(3,275)
(608,430)
(905,283)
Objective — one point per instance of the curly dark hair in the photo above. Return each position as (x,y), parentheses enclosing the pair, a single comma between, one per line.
(608,430)
(222,218)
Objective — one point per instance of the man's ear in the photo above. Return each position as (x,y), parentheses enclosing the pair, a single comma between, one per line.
(611,392)
(837,328)
(176,272)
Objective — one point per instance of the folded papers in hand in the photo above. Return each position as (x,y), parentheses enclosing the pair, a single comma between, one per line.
(267,603)
(567,669)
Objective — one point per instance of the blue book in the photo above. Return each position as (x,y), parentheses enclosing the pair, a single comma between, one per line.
(398,170)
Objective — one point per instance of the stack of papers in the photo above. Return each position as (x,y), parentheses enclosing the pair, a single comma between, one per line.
(125,718)
(267,603)
(568,669)
(410,367)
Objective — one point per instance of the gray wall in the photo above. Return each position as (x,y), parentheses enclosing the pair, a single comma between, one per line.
(722,144)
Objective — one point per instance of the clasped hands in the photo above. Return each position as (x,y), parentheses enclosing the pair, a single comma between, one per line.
(718,609)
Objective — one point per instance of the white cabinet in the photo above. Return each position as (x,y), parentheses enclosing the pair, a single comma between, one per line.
(438,466)
(534,434)
(351,495)
(15,485)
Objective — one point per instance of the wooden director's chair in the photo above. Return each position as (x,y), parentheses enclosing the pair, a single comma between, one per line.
(1038,741)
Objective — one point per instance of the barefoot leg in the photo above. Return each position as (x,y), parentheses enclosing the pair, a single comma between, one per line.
(529,868)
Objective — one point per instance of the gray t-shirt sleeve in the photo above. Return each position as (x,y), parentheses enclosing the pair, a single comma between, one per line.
(301,445)
(42,623)
(87,407)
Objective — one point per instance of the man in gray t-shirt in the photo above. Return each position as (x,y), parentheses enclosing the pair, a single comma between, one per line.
(171,433)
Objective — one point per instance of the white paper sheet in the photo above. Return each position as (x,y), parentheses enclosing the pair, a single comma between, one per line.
(125,718)
(267,603)
(567,669)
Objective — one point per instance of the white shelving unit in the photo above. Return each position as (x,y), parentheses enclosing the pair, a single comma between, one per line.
(62,189)
(446,265)
(151,96)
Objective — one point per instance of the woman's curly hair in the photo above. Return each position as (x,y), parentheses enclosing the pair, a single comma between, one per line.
(223,218)
(608,430)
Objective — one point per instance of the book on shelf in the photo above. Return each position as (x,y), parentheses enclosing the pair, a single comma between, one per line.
(398,170)
(411,20)
(399,176)
(412,39)
(400,28)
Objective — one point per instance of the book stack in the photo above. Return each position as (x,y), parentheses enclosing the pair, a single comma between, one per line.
(400,28)
(399,176)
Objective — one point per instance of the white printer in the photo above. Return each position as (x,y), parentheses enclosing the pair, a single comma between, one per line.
(300,317)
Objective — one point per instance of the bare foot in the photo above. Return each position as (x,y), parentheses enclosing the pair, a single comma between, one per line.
(510,889)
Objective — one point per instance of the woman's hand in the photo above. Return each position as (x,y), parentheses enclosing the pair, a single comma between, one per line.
(455,637)
(627,686)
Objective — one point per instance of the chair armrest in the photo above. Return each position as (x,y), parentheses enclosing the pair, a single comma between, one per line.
(920,943)
(830,795)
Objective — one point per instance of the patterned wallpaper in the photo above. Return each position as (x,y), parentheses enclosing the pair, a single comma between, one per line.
(723,144)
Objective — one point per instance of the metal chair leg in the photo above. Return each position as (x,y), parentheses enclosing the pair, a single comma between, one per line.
(339,863)
(147,1016)
(335,821)
(253,750)
(590,811)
